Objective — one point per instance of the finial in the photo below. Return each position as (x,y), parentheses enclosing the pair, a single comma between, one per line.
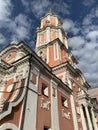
(50,11)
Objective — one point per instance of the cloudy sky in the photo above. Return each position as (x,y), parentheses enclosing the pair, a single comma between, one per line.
(20,18)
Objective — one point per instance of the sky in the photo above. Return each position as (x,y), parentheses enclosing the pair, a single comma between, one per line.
(20,18)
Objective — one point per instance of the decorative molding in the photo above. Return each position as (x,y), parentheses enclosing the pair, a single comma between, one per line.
(8,126)
(13,102)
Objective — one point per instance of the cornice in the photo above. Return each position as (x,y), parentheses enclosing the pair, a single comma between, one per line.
(51,43)
(51,26)
(20,46)
(72,70)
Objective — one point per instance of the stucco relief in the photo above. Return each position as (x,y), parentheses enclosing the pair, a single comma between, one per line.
(65,115)
(45,104)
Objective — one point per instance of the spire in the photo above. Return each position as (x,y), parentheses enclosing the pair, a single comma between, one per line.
(50,11)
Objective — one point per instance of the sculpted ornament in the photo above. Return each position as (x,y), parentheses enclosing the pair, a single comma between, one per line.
(45,104)
(65,115)
(11,96)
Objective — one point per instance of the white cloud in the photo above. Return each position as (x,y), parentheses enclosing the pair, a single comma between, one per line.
(85,46)
(70,26)
(25,3)
(76,42)
(21,27)
(91,17)
(5,9)
(61,7)
(87,53)
(38,7)
(2,39)
(93,36)
(84,42)
(96,12)
(88,2)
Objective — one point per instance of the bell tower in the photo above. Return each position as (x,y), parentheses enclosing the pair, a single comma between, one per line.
(51,39)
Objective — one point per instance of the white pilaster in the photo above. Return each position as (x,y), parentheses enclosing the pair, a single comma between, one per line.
(37,43)
(94,120)
(56,21)
(83,119)
(88,118)
(47,54)
(48,34)
(60,35)
(54,107)
(74,113)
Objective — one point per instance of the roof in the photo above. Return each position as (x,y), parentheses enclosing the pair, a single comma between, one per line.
(93,93)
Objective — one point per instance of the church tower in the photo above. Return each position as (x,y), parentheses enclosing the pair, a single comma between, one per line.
(52,47)
(44,90)
(51,40)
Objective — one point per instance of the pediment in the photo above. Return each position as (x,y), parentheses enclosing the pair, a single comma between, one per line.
(13,52)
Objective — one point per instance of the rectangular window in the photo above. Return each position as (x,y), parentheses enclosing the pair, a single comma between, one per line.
(64,102)
(46,128)
(44,90)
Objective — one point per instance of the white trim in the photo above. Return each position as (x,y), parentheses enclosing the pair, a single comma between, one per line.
(21,114)
(48,17)
(88,118)
(42,23)
(94,120)
(74,117)
(47,34)
(8,126)
(60,35)
(45,78)
(56,21)
(48,54)
(63,93)
(83,119)
(66,42)
(54,108)
(56,51)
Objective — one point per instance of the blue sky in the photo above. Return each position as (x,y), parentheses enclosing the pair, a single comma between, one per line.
(20,18)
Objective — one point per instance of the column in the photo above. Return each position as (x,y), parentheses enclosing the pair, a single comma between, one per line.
(94,120)
(74,113)
(88,118)
(83,119)
(54,107)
